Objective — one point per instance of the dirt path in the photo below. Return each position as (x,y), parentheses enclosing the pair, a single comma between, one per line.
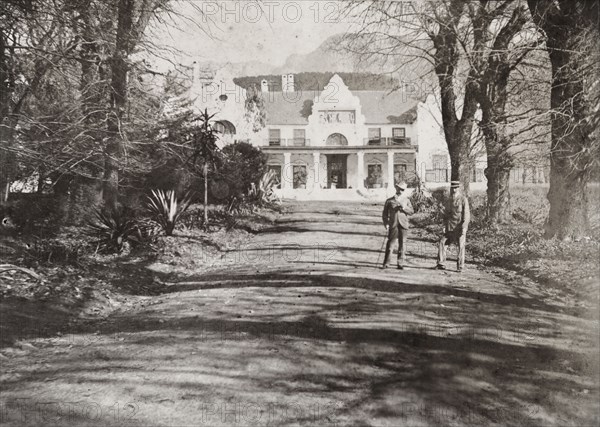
(300,328)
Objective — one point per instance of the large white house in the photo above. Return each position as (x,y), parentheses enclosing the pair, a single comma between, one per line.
(333,143)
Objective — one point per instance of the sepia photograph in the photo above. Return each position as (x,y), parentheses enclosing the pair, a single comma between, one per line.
(300,213)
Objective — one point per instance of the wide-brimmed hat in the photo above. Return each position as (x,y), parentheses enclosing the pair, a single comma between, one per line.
(454,184)
(401,185)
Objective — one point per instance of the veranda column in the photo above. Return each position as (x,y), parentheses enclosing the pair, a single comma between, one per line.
(390,169)
(288,173)
(360,169)
(317,170)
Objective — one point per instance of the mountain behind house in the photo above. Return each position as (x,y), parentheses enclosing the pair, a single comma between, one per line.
(316,81)
(324,58)
(314,70)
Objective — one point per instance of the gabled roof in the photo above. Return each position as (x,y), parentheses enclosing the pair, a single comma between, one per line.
(383,107)
(378,107)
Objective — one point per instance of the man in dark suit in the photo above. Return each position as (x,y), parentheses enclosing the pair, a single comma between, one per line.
(395,219)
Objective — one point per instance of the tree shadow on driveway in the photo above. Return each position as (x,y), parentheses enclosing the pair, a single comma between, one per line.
(356,375)
(394,284)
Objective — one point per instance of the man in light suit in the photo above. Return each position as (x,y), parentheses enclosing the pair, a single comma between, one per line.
(457,216)
(396,211)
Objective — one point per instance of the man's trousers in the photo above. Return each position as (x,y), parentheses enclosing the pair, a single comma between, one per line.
(396,234)
(450,238)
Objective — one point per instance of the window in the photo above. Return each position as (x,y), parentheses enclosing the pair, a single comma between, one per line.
(439,173)
(399,173)
(224,127)
(398,133)
(274,136)
(477,175)
(436,175)
(374,136)
(300,176)
(336,139)
(374,175)
(399,136)
(299,137)
(277,171)
(440,161)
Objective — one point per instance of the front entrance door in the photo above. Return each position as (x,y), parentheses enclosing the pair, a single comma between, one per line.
(336,170)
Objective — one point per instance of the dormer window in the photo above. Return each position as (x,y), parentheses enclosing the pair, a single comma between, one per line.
(399,135)
(275,137)
(399,132)
(374,136)
(299,137)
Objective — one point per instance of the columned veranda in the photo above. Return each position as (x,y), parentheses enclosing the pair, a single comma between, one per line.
(309,171)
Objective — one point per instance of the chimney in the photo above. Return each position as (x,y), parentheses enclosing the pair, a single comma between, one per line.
(284,83)
(264,86)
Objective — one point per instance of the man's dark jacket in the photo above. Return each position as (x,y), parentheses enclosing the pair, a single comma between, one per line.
(396,211)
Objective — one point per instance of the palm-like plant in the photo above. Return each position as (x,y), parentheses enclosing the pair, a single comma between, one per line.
(266,186)
(113,227)
(191,138)
(166,209)
(205,150)
(264,193)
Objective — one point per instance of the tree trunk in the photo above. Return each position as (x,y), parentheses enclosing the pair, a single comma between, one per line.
(498,194)
(459,141)
(7,157)
(568,176)
(205,173)
(493,98)
(84,194)
(4,190)
(458,131)
(110,177)
(568,217)
(93,89)
(118,96)
(61,189)
(566,24)
(497,172)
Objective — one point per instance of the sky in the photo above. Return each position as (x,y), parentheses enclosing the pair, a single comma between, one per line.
(250,30)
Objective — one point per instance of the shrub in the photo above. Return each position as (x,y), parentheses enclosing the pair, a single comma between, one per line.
(61,249)
(113,228)
(264,192)
(32,213)
(172,175)
(429,203)
(529,205)
(242,165)
(166,209)
(420,198)
(191,218)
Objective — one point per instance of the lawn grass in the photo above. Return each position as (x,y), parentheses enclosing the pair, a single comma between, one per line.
(571,266)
